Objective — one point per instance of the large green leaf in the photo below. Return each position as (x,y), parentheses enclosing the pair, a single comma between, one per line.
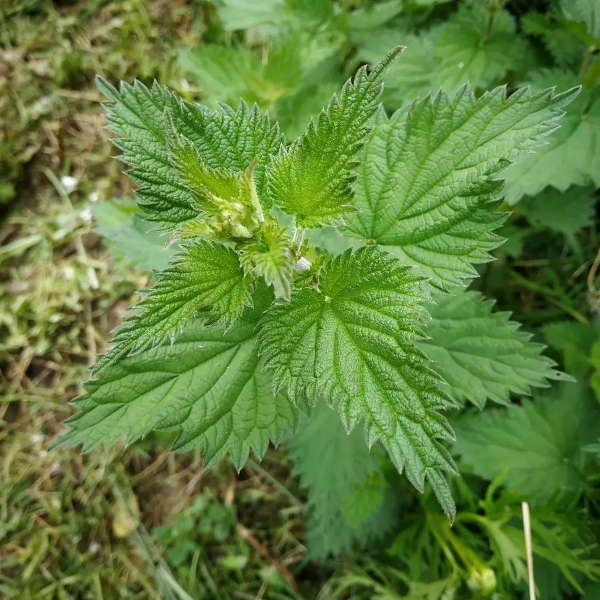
(344,481)
(204,281)
(539,444)
(468,47)
(480,353)
(428,181)
(571,156)
(566,212)
(353,342)
(142,119)
(208,386)
(311,179)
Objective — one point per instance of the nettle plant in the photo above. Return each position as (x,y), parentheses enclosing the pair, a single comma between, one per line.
(254,322)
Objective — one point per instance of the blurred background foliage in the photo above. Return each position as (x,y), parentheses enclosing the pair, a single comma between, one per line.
(318,519)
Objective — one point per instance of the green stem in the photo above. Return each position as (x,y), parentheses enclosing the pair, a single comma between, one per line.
(550,295)
(585,62)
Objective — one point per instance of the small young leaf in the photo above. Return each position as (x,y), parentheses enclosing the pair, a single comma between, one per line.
(205,276)
(480,353)
(427,184)
(208,386)
(353,342)
(311,179)
(268,255)
(224,138)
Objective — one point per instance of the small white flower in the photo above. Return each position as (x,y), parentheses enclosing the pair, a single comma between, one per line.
(94,196)
(69,183)
(86,214)
(36,438)
(303,264)
(93,548)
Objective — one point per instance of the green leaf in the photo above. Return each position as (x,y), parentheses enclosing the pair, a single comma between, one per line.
(570,157)
(239,14)
(228,74)
(538,443)
(311,179)
(480,353)
(353,342)
(223,74)
(463,49)
(586,12)
(566,48)
(224,138)
(336,468)
(204,281)
(575,341)
(268,255)
(472,47)
(566,212)
(129,238)
(428,185)
(208,387)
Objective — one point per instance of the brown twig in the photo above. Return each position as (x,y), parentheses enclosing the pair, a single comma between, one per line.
(591,277)
(249,537)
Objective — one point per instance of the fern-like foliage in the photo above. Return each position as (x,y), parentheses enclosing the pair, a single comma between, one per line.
(252,321)
(311,179)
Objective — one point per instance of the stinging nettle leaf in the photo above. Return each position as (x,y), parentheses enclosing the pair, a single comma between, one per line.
(224,138)
(311,178)
(208,387)
(130,238)
(353,343)
(540,443)
(428,182)
(335,467)
(566,212)
(205,281)
(482,354)
(570,157)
